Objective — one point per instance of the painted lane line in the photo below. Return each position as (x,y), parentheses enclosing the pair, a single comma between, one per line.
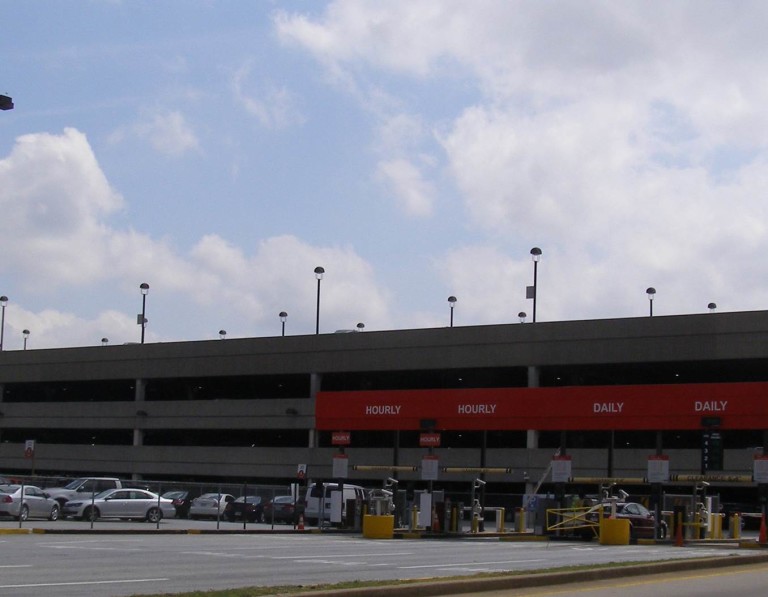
(449,566)
(84,583)
(344,555)
(16,566)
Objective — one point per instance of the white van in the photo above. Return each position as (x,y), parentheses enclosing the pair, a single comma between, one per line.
(324,500)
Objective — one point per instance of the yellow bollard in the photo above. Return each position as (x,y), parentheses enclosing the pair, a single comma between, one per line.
(414,518)
(520,528)
(475,522)
(734,527)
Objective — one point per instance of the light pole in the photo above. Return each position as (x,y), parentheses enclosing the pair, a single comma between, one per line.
(319,271)
(522,315)
(532,290)
(25,333)
(104,341)
(6,103)
(3,304)
(142,319)
(452,304)
(651,292)
(283,317)
(360,326)
(222,334)
(712,307)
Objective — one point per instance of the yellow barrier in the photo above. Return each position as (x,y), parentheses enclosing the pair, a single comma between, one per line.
(614,531)
(378,527)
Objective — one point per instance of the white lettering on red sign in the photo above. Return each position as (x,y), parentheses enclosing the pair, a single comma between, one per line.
(717,406)
(476,409)
(607,407)
(383,409)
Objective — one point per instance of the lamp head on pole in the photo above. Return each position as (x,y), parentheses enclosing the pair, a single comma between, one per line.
(522,315)
(651,292)
(222,334)
(712,307)
(360,326)
(104,341)
(319,271)
(144,287)
(536,253)
(283,316)
(3,301)
(452,301)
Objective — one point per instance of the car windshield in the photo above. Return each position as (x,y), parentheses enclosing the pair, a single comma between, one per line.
(251,499)
(173,495)
(74,484)
(103,494)
(283,499)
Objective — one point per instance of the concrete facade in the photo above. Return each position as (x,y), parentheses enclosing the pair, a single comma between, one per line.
(709,348)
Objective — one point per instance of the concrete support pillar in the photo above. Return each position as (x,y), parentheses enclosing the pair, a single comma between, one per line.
(315,383)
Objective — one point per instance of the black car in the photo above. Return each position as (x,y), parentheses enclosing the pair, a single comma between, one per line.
(248,507)
(181,501)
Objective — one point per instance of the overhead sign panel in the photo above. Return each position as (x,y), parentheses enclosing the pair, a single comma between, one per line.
(652,407)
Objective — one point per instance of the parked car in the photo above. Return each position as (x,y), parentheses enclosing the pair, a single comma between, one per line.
(121,503)
(209,505)
(82,488)
(642,522)
(181,501)
(36,504)
(282,508)
(248,507)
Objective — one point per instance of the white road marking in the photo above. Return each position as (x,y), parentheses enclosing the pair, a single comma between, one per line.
(458,564)
(85,582)
(16,566)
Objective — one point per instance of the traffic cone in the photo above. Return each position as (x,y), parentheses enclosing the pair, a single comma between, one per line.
(301,522)
(762,538)
(679,531)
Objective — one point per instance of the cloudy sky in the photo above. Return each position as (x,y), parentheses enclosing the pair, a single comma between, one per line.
(220,150)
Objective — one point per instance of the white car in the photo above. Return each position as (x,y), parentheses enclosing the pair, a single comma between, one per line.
(36,503)
(121,503)
(210,505)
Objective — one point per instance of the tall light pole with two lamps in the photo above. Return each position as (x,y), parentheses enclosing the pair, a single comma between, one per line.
(142,318)
(530,291)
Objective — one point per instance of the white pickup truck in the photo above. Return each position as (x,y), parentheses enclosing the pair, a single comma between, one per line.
(82,487)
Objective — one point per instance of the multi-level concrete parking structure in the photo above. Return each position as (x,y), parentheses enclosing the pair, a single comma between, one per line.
(608,393)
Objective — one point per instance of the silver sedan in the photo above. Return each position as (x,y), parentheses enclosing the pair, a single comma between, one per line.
(121,503)
(36,504)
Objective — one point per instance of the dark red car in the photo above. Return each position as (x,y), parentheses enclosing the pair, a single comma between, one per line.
(281,509)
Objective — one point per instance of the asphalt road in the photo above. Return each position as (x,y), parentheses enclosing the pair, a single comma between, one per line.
(116,564)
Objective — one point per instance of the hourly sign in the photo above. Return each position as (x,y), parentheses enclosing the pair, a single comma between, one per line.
(652,407)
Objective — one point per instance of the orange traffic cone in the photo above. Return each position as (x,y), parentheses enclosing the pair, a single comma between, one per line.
(301,522)
(762,538)
(679,531)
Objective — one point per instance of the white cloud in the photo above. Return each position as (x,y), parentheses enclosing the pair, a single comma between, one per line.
(58,202)
(274,107)
(168,132)
(415,195)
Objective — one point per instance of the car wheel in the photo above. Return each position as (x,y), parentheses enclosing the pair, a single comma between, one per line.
(54,515)
(154,515)
(91,514)
(24,512)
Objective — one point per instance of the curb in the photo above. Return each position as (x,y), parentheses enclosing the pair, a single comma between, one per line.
(523,581)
